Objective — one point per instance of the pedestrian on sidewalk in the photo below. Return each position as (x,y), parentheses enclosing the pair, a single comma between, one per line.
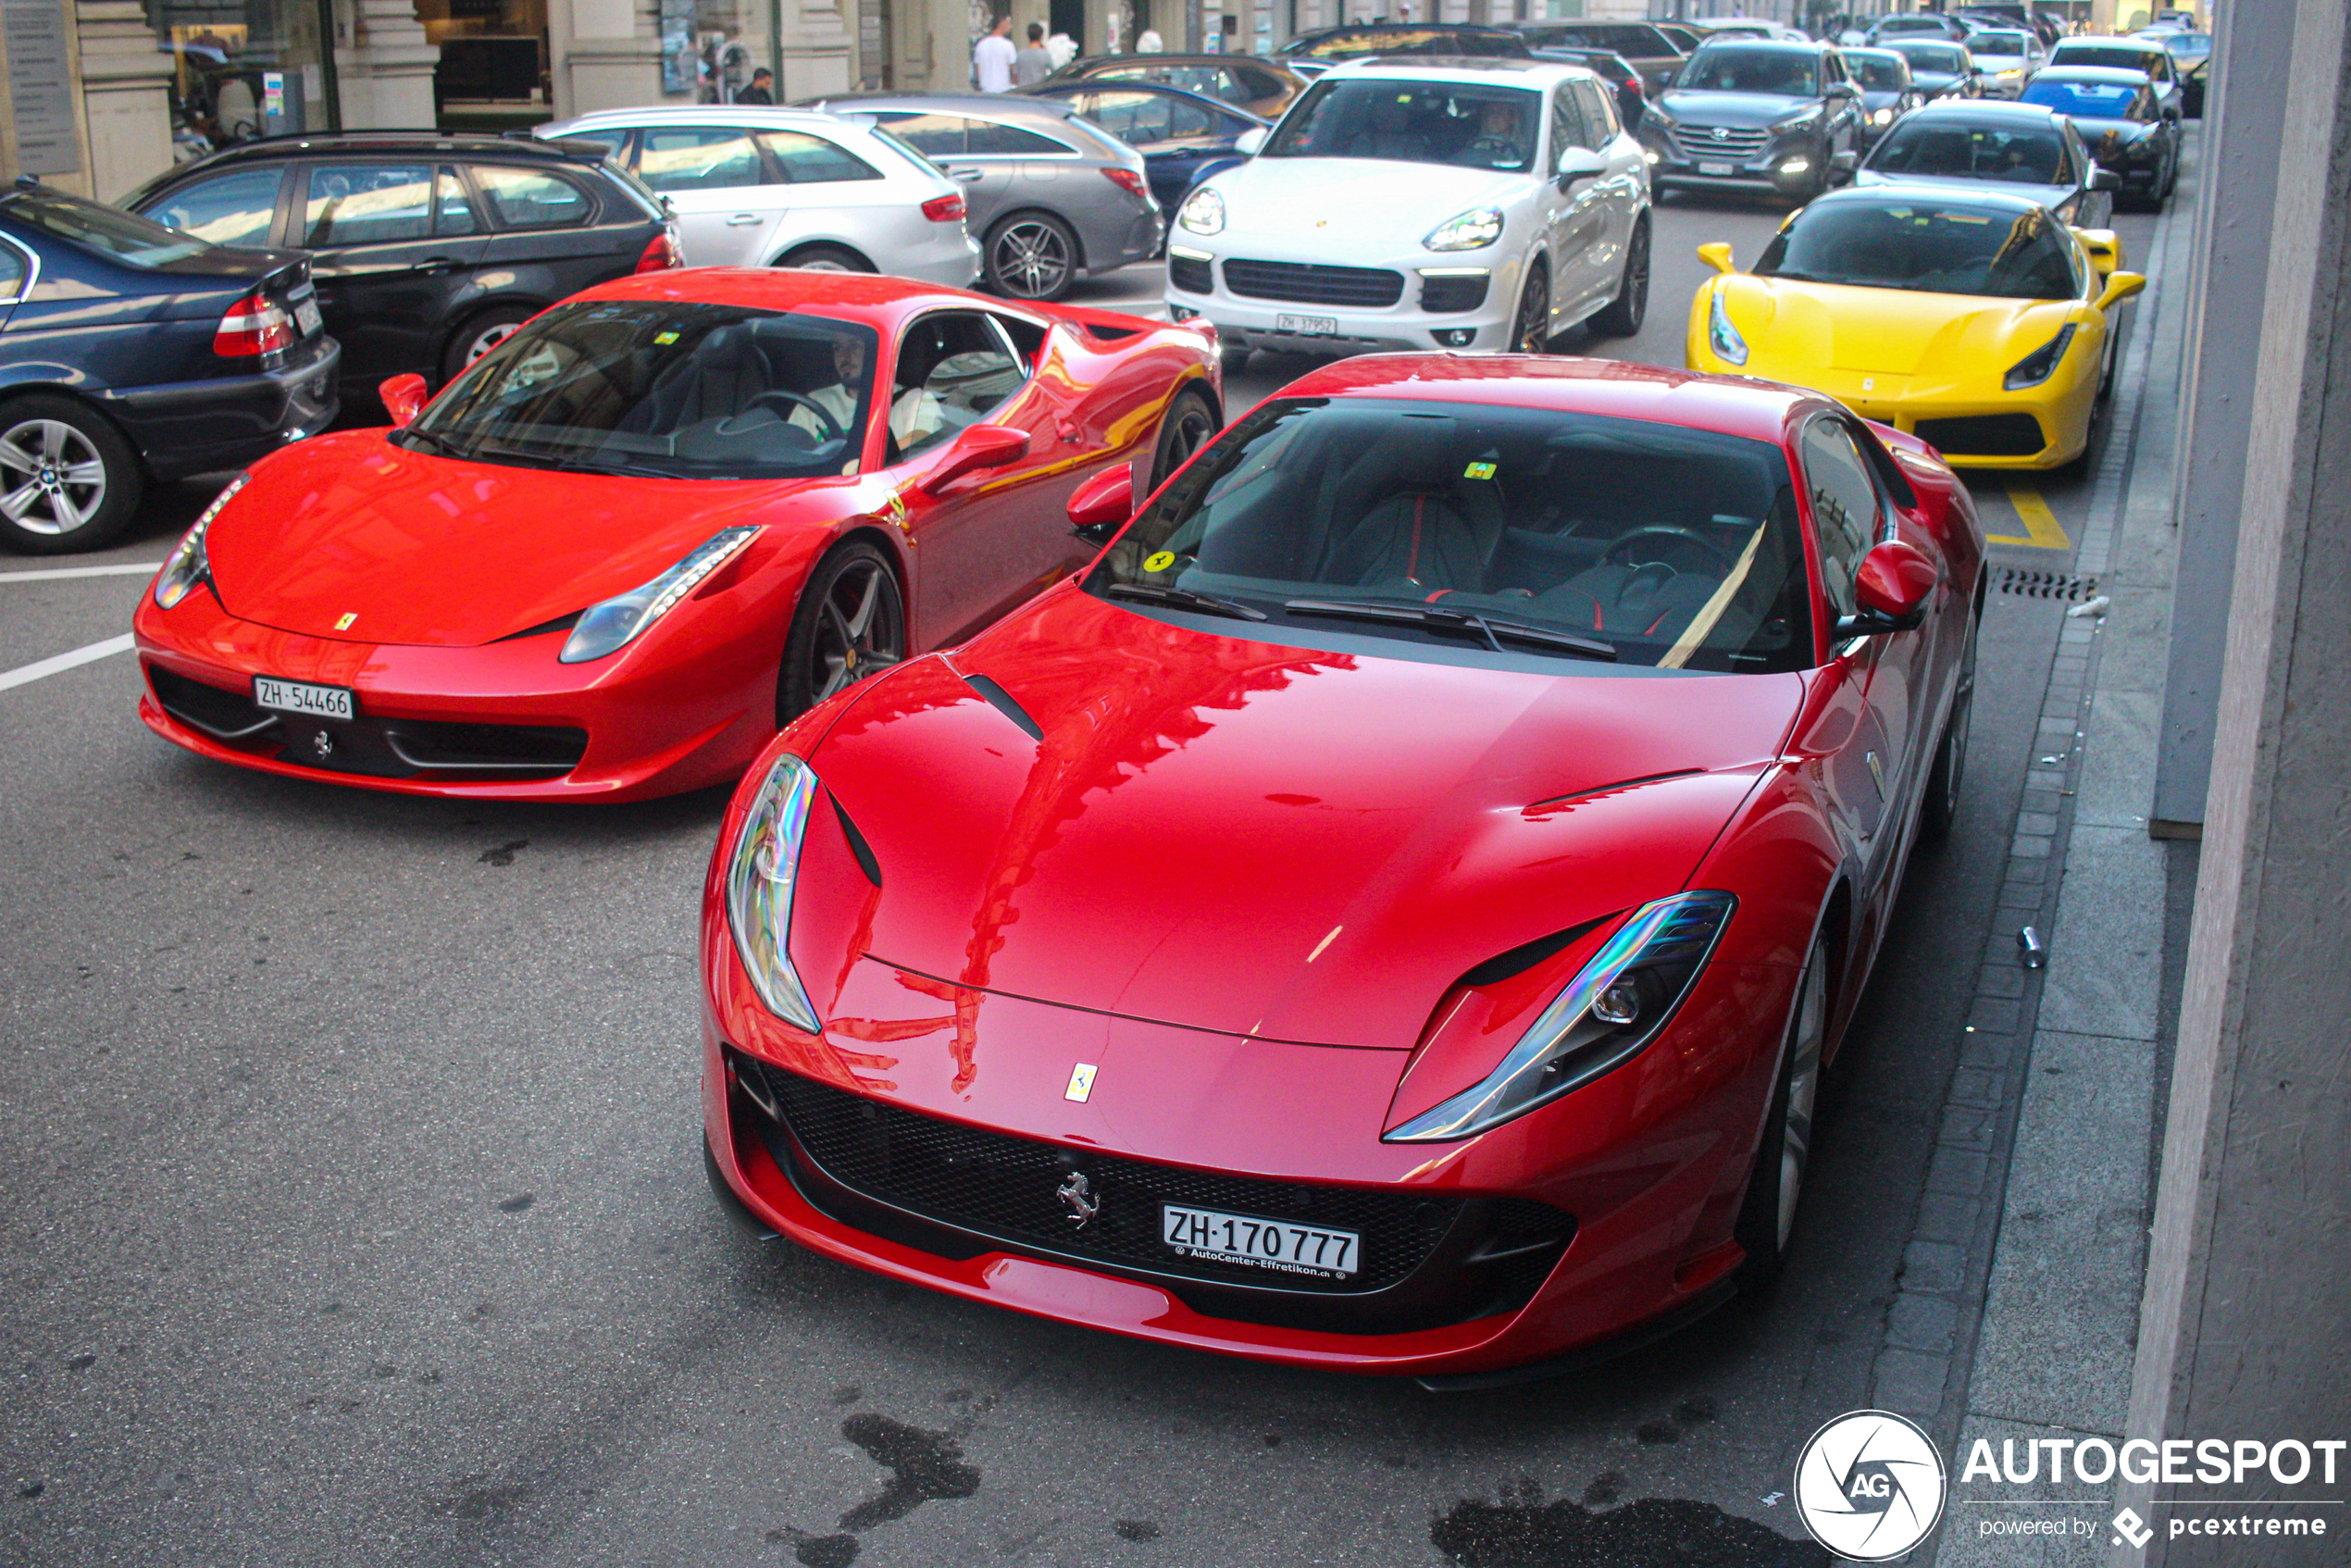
(762,89)
(992,58)
(1032,65)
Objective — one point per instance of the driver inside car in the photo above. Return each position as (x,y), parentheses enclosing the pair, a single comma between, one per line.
(1498,144)
(914,413)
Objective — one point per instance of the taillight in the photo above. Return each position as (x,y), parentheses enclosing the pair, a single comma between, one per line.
(256,324)
(1127,180)
(661,253)
(949,209)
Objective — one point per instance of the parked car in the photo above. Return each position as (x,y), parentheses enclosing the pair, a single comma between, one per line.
(129,351)
(1183,136)
(427,250)
(1755,114)
(2192,52)
(1264,88)
(2127,54)
(1683,38)
(1887,92)
(1977,321)
(1746,27)
(1525,1056)
(1450,204)
(2019,150)
(1053,199)
(1310,54)
(1917,24)
(1939,69)
(621,551)
(2007,59)
(1640,44)
(775,187)
(2116,114)
(1631,99)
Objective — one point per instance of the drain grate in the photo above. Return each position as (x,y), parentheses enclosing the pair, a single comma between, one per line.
(2044,585)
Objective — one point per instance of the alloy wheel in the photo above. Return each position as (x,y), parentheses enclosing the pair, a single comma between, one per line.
(1187,433)
(1030,259)
(489,338)
(1636,281)
(52,479)
(1803,1093)
(1532,332)
(860,629)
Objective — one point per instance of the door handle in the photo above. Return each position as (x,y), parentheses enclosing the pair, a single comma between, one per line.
(437,264)
(740,218)
(968,176)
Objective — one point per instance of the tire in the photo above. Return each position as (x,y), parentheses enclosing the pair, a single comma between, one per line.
(1233,357)
(1187,425)
(1631,306)
(1775,1187)
(1031,255)
(479,335)
(826,259)
(850,622)
(1531,327)
(69,479)
(1948,773)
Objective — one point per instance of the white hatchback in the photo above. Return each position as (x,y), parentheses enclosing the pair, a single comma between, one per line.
(754,186)
(1411,204)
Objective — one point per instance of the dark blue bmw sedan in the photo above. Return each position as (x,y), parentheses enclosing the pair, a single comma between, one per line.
(129,351)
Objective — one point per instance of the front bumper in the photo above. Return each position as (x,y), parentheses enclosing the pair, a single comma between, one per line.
(1200,282)
(1782,164)
(1974,425)
(229,421)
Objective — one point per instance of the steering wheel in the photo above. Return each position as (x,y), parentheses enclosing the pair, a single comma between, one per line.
(1623,549)
(778,395)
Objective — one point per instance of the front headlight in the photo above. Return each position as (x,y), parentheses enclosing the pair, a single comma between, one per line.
(1204,211)
(188,563)
(2041,364)
(1799,121)
(1721,335)
(1882,117)
(1616,1004)
(620,620)
(759,889)
(1471,230)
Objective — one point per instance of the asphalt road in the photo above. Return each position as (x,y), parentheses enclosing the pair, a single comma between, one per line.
(354,1213)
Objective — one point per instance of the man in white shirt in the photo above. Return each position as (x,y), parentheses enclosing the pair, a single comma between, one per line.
(993,56)
(915,413)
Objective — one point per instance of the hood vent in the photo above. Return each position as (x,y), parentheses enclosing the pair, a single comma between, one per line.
(1519,960)
(1611,788)
(857,845)
(1002,701)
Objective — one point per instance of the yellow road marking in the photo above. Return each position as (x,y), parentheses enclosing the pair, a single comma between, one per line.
(2041,528)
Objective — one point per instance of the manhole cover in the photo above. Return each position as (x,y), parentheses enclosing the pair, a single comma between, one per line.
(2044,585)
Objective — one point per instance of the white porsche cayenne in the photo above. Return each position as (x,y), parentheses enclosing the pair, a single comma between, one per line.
(1411,203)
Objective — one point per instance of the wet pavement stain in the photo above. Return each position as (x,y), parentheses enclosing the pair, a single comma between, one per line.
(826,1551)
(1137,1530)
(924,1466)
(503,855)
(1522,1531)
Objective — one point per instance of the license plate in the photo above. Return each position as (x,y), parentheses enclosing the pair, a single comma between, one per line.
(311,702)
(1310,326)
(1718,168)
(1284,1246)
(307,312)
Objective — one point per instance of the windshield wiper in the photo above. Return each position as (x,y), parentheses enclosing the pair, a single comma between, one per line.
(1184,599)
(1436,618)
(435,439)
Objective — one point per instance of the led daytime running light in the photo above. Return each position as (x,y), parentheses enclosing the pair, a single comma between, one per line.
(760,874)
(189,564)
(618,621)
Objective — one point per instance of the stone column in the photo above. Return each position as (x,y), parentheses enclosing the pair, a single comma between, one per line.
(126,98)
(384,77)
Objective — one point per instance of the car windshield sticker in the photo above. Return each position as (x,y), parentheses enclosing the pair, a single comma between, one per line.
(1159,562)
(1478,471)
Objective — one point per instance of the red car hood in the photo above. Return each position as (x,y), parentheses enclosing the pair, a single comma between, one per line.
(1260,840)
(418,549)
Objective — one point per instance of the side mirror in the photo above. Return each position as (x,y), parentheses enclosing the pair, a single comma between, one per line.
(405,397)
(1844,164)
(1579,163)
(2105,248)
(2104,179)
(1716,255)
(2121,286)
(981,446)
(1250,143)
(1891,587)
(1101,506)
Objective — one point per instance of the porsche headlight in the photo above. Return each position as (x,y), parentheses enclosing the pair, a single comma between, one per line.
(1471,231)
(1721,335)
(1615,1006)
(620,620)
(2041,364)
(759,889)
(1204,211)
(188,564)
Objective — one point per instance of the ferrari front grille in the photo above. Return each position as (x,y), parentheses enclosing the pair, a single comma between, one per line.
(1984,435)
(1298,282)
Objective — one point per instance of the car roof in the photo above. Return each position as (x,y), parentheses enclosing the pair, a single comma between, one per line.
(978,106)
(1757,40)
(1989,109)
(344,143)
(1049,88)
(703,114)
(873,298)
(2105,76)
(1727,404)
(2135,45)
(1939,194)
(1462,67)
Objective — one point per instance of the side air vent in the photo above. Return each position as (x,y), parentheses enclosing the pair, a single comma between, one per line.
(857,845)
(1503,965)
(1002,701)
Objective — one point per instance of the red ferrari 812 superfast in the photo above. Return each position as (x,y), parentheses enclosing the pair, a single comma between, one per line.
(667,515)
(1393,910)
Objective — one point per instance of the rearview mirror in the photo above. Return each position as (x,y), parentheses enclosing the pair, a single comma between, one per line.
(1251,141)
(1101,506)
(2104,179)
(1579,163)
(1891,589)
(403,398)
(981,446)
(2121,286)
(1716,255)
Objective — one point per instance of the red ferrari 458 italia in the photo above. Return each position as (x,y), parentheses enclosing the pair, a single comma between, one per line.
(615,555)
(1393,910)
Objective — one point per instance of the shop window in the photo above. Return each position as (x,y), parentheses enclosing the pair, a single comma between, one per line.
(688,158)
(526,198)
(812,160)
(366,204)
(228,210)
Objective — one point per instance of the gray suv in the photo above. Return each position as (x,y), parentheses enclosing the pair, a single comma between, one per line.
(1756,113)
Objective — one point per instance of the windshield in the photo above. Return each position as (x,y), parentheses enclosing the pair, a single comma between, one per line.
(2002,44)
(1948,59)
(1734,70)
(1406,41)
(1451,525)
(2025,155)
(665,388)
(1878,73)
(2090,100)
(1472,125)
(1893,25)
(2189,45)
(1936,249)
(2109,54)
(111,233)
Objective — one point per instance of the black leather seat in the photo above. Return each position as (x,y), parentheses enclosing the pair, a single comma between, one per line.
(1650,599)
(1434,528)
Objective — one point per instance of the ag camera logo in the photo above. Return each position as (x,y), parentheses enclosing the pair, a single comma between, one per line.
(1869,1485)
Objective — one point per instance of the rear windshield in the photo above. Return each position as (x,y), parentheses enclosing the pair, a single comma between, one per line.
(1409,41)
(2025,155)
(113,233)
(1730,69)
(1469,124)
(2116,56)
(1517,531)
(1999,44)
(2091,100)
(664,388)
(1947,57)
(1936,249)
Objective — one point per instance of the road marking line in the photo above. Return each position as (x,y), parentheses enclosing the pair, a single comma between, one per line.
(40,668)
(55,574)
(2042,530)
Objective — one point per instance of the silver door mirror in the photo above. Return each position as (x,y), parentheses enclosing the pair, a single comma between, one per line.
(1249,142)
(1580,163)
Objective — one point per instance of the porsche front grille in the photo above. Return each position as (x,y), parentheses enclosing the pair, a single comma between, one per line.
(1298,282)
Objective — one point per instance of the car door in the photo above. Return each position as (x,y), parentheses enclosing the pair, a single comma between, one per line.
(727,202)
(1625,185)
(1579,214)
(390,248)
(1841,106)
